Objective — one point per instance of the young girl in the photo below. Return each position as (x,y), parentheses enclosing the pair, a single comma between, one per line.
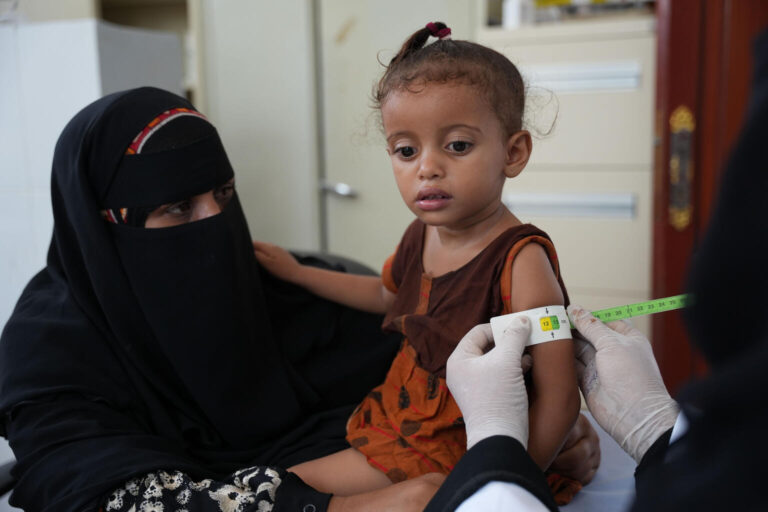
(452,116)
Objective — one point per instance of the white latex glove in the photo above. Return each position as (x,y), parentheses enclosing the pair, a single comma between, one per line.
(621,382)
(488,384)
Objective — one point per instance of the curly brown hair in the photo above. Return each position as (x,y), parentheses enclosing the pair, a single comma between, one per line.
(447,60)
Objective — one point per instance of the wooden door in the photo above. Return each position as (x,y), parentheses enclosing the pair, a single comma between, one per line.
(703,81)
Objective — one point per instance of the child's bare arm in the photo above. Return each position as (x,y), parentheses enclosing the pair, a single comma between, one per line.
(555,398)
(362,292)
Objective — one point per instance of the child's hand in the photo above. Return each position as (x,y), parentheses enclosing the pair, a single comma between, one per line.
(277,261)
(579,458)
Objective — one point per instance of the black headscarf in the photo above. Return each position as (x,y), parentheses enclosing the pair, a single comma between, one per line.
(720,463)
(140,349)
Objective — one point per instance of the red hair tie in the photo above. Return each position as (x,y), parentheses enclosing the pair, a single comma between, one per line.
(439,33)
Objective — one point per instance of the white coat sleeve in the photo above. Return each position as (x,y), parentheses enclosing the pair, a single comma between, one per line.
(502,496)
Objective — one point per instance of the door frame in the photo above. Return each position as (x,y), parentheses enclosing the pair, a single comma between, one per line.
(704,63)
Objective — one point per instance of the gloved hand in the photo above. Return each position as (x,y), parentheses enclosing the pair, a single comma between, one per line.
(488,384)
(621,382)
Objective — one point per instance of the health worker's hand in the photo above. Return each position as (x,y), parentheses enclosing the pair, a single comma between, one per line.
(487,382)
(621,382)
(277,261)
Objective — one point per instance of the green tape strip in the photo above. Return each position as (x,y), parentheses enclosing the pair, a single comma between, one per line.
(642,308)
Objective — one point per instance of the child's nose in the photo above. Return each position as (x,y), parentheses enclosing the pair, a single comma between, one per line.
(430,166)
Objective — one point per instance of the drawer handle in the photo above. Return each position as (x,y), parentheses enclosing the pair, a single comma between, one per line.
(617,206)
(585,76)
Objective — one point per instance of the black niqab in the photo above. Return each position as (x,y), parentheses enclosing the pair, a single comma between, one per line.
(141,349)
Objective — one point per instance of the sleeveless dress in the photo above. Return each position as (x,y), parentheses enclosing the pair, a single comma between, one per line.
(410,425)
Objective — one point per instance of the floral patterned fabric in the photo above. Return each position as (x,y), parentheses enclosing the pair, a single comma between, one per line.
(251,489)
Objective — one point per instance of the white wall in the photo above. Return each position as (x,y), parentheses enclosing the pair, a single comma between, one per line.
(35,103)
(49,10)
(48,72)
(258,71)
(133,57)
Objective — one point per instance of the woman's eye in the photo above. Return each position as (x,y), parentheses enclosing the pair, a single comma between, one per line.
(406,151)
(459,146)
(179,208)
(224,194)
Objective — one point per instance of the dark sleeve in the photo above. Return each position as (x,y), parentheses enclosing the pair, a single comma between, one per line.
(72,450)
(296,496)
(78,453)
(253,489)
(652,459)
(496,459)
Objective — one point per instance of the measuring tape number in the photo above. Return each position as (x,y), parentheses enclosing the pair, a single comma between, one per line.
(642,308)
(551,323)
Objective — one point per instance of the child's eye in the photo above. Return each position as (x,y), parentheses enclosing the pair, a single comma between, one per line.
(460,146)
(406,151)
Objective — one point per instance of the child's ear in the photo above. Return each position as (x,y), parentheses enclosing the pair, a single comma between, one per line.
(518,149)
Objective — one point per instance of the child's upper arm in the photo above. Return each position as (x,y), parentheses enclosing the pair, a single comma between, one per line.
(534,283)
(387,297)
(390,279)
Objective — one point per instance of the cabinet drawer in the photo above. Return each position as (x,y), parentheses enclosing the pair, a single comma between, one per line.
(604,94)
(600,251)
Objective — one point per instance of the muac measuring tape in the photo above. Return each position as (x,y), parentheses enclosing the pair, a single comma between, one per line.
(551,323)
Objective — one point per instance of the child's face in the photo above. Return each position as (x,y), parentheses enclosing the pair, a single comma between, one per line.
(450,154)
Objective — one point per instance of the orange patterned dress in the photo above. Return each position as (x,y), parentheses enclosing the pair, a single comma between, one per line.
(410,425)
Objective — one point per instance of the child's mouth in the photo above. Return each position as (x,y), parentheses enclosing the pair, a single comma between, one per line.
(432,199)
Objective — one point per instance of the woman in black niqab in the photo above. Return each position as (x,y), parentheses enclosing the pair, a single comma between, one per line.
(138,350)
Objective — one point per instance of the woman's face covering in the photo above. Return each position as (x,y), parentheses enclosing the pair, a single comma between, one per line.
(192,209)
(173,301)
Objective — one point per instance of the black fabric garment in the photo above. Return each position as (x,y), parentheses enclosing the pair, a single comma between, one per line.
(720,463)
(655,456)
(136,349)
(202,150)
(495,459)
